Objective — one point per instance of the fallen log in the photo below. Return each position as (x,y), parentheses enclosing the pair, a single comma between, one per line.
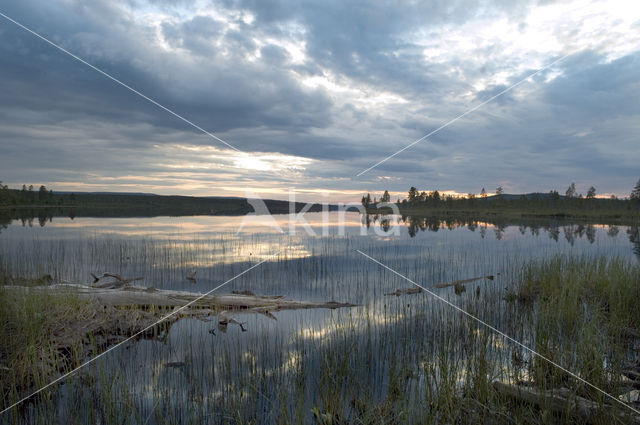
(155,300)
(459,286)
(563,401)
(137,296)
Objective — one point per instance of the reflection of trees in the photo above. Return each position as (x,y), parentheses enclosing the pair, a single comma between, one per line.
(4,222)
(366,220)
(412,229)
(634,238)
(569,234)
(590,232)
(416,223)
(28,216)
(42,219)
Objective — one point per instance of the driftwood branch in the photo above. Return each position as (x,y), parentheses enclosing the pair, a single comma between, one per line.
(117,282)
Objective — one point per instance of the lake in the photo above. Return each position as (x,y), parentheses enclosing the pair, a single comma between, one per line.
(306,360)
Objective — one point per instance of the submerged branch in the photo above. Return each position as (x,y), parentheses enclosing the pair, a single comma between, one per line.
(459,285)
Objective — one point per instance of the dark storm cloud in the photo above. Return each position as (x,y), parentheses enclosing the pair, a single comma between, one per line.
(217,94)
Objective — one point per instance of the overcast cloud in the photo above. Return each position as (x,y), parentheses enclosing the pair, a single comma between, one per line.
(314,93)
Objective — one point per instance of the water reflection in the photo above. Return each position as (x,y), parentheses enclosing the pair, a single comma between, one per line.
(553,229)
(634,238)
(314,224)
(27,217)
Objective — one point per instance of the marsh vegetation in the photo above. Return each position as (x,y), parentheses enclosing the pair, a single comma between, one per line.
(392,359)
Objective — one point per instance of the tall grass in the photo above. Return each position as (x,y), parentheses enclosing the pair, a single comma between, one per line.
(31,325)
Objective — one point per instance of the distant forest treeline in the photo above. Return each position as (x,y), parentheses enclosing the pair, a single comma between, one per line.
(569,205)
(114,204)
(27,201)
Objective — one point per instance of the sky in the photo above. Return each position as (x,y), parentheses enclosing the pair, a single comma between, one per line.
(308,95)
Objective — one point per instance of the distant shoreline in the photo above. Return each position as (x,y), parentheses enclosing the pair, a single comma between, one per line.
(522,207)
(136,204)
